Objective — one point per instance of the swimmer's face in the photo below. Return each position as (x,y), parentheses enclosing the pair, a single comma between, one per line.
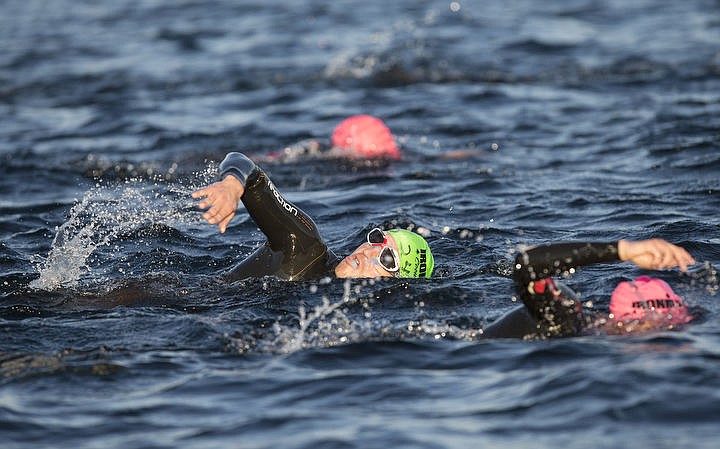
(364,263)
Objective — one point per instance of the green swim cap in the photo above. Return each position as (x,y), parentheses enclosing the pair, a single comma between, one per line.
(416,260)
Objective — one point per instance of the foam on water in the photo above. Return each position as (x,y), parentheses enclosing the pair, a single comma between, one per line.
(326,325)
(349,318)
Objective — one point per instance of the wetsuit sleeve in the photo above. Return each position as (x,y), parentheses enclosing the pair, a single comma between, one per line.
(293,237)
(558,312)
(239,166)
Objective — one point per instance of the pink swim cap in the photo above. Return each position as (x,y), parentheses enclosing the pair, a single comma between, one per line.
(647,297)
(364,136)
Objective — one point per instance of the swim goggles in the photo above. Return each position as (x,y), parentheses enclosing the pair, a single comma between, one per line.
(388,257)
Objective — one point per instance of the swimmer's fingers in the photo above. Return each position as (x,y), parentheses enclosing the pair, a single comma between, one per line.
(676,256)
(204,204)
(224,223)
(200,193)
(214,201)
(221,200)
(686,261)
(207,194)
(219,211)
(229,186)
(665,254)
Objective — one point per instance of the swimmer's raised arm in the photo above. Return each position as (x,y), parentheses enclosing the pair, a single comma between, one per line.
(294,248)
(221,198)
(553,259)
(654,254)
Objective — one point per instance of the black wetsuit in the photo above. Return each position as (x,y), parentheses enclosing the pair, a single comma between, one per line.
(294,249)
(550,309)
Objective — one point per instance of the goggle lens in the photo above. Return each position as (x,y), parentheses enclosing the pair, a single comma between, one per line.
(376,237)
(387,258)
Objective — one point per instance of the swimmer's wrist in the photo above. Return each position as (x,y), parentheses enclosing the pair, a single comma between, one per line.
(232,181)
(622,247)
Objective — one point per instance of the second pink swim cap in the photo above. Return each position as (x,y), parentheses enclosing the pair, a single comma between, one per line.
(364,136)
(647,297)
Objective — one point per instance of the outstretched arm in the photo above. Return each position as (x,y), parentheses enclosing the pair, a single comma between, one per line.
(550,260)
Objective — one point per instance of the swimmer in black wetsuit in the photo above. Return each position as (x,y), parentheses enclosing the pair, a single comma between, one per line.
(294,249)
(551,309)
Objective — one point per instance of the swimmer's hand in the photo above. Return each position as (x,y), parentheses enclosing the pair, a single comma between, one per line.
(654,254)
(221,201)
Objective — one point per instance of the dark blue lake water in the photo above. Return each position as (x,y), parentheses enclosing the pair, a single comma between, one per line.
(588,120)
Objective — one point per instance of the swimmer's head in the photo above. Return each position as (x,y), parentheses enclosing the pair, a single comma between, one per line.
(647,298)
(416,260)
(363,137)
(398,253)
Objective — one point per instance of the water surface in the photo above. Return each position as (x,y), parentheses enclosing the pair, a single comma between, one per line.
(586,120)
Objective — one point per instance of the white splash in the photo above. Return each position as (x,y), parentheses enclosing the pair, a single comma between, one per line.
(327,325)
(330,324)
(106,213)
